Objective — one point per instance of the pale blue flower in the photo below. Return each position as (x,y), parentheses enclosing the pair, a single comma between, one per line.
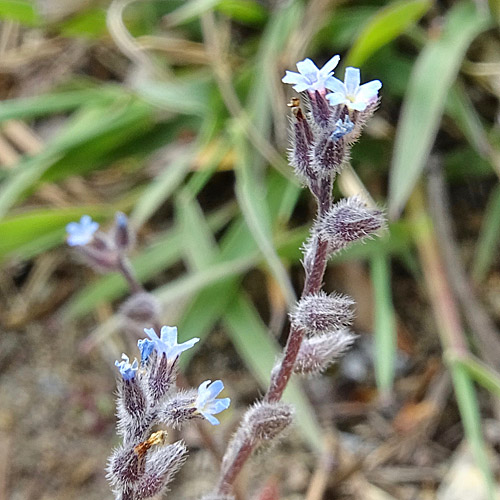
(206,402)
(310,77)
(342,127)
(351,93)
(81,233)
(167,342)
(127,370)
(146,347)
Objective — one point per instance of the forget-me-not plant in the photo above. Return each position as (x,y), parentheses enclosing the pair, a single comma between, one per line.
(323,129)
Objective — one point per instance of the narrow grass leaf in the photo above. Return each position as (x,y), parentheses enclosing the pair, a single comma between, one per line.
(385,324)
(162,187)
(189,10)
(22,11)
(256,213)
(19,230)
(489,238)
(432,77)
(386,25)
(471,420)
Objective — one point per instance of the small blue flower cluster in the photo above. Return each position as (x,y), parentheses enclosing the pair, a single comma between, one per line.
(147,398)
(349,92)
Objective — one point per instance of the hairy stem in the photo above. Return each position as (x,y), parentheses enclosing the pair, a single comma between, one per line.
(314,280)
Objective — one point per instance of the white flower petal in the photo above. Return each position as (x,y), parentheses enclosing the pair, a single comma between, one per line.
(330,65)
(352,79)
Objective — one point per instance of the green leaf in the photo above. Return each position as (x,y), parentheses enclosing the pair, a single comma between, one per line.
(41,226)
(386,25)
(432,77)
(32,107)
(90,23)
(385,324)
(259,351)
(244,11)
(489,237)
(21,11)
(189,10)
(161,187)
(253,206)
(471,420)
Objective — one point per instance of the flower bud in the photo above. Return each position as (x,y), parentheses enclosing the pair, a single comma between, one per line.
(132,410)
(176,410)
(301,139)
(316,354)
(264,421)
(348,221)
(122,233)
(125,467)
(163,463)
(162,374)
(320,313)
(328,155)
(320,108)
(140,310)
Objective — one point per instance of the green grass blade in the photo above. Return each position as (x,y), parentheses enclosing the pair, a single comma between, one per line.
(471,420)
(489,237)
(26,228)
(259,351)
(386,25)
(385,325)
(255,211)
(480,372)
(162,187)
(22,11)
(432,77)
(189,10)
(33,107)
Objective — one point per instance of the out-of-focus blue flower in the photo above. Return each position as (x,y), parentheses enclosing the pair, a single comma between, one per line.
(342,127)
(146,347)
(167,342)
(81,233)
(127,370)
(351,93)
(310,77)
(206,402)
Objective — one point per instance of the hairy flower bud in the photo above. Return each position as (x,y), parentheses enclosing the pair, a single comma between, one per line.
(162,465)
(316,354)
(179,408)
(321,110)
(123,235)
(264,421)
(132,410)
(348,221)
(320,313)
(140,310)
(328,155)
(162,376)
(301,139)
(125,467)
